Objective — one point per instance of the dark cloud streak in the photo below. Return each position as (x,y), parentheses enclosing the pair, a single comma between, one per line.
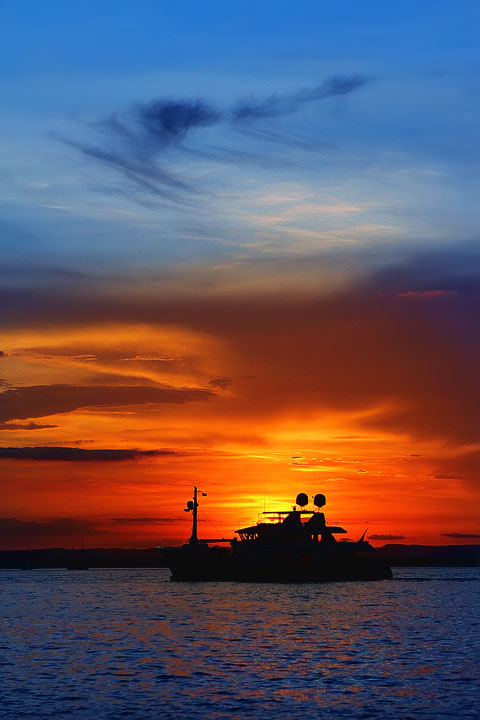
(131,143)
(12,528)
(69,454)
(167,121)
(277,105)
(25,426)
(43,400)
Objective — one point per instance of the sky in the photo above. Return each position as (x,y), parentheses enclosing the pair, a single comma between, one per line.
(240,250)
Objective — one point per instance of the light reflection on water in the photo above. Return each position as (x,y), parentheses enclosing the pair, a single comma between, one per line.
(129,643)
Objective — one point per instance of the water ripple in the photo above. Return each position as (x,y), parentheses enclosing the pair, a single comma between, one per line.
(111,644)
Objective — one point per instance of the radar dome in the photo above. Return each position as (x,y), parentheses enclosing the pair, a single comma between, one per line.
(319,500)
(302,499)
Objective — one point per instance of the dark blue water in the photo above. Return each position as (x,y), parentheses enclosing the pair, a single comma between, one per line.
(131,644)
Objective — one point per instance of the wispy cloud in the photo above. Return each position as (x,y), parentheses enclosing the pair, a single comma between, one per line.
(134,143)
(24,426)
(42,400)
(149,358)
(424,294)
(69,454)
(276,105)
(221,382)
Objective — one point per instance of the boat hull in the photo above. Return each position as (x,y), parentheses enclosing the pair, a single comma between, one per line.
(202,563)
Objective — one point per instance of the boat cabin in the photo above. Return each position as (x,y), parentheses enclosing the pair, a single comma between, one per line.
(300,525)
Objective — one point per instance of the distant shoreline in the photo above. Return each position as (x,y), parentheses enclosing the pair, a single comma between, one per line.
(396,555)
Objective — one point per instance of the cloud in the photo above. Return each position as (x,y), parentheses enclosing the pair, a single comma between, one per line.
(30,352)
(168,121)
(143,520)
(25,426)
(400,369)
(131,146)
(461,466)
(69,454)
(277,105)
(12,528)
(424,294)
(3,354)
(140,171)
(42,400)
(221,382)
(387,537)
(132,142)
(327,462)
(462,535)
(149,358)
(348,437)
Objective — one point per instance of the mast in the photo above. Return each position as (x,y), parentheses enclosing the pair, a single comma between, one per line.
(194,536)
(192,506)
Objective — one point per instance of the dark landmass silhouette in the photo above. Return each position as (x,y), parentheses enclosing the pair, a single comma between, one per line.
(81,559)
(394,554)
(430,555)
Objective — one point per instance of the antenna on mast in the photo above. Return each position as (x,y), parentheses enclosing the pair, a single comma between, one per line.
(192,506)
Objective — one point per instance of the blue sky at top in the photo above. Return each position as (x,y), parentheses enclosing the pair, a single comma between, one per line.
(389,167)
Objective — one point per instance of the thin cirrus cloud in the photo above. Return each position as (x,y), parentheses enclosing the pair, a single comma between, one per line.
(276,105)
(132,142)
(25,426)
(43,400)
(69,454)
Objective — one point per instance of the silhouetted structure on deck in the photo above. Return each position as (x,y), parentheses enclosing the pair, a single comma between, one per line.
(287,546)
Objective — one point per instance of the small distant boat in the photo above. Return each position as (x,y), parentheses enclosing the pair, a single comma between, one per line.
(288,546)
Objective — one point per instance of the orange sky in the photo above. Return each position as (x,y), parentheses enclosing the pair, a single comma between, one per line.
(367,393)
(239,250)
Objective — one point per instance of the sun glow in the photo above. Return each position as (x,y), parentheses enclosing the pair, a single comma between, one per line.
(245,399)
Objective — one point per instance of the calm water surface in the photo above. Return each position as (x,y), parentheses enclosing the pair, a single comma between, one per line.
(130,644)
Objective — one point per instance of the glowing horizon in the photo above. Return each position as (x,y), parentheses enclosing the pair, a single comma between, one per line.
(248,264)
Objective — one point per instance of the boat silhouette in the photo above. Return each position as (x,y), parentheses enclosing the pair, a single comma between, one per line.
(293,545)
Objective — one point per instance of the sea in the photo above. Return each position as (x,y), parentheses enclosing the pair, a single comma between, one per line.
(110,644)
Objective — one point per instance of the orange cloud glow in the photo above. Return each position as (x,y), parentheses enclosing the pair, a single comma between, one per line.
(253,398)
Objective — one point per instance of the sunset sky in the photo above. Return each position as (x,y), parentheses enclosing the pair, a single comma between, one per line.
(240,249)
